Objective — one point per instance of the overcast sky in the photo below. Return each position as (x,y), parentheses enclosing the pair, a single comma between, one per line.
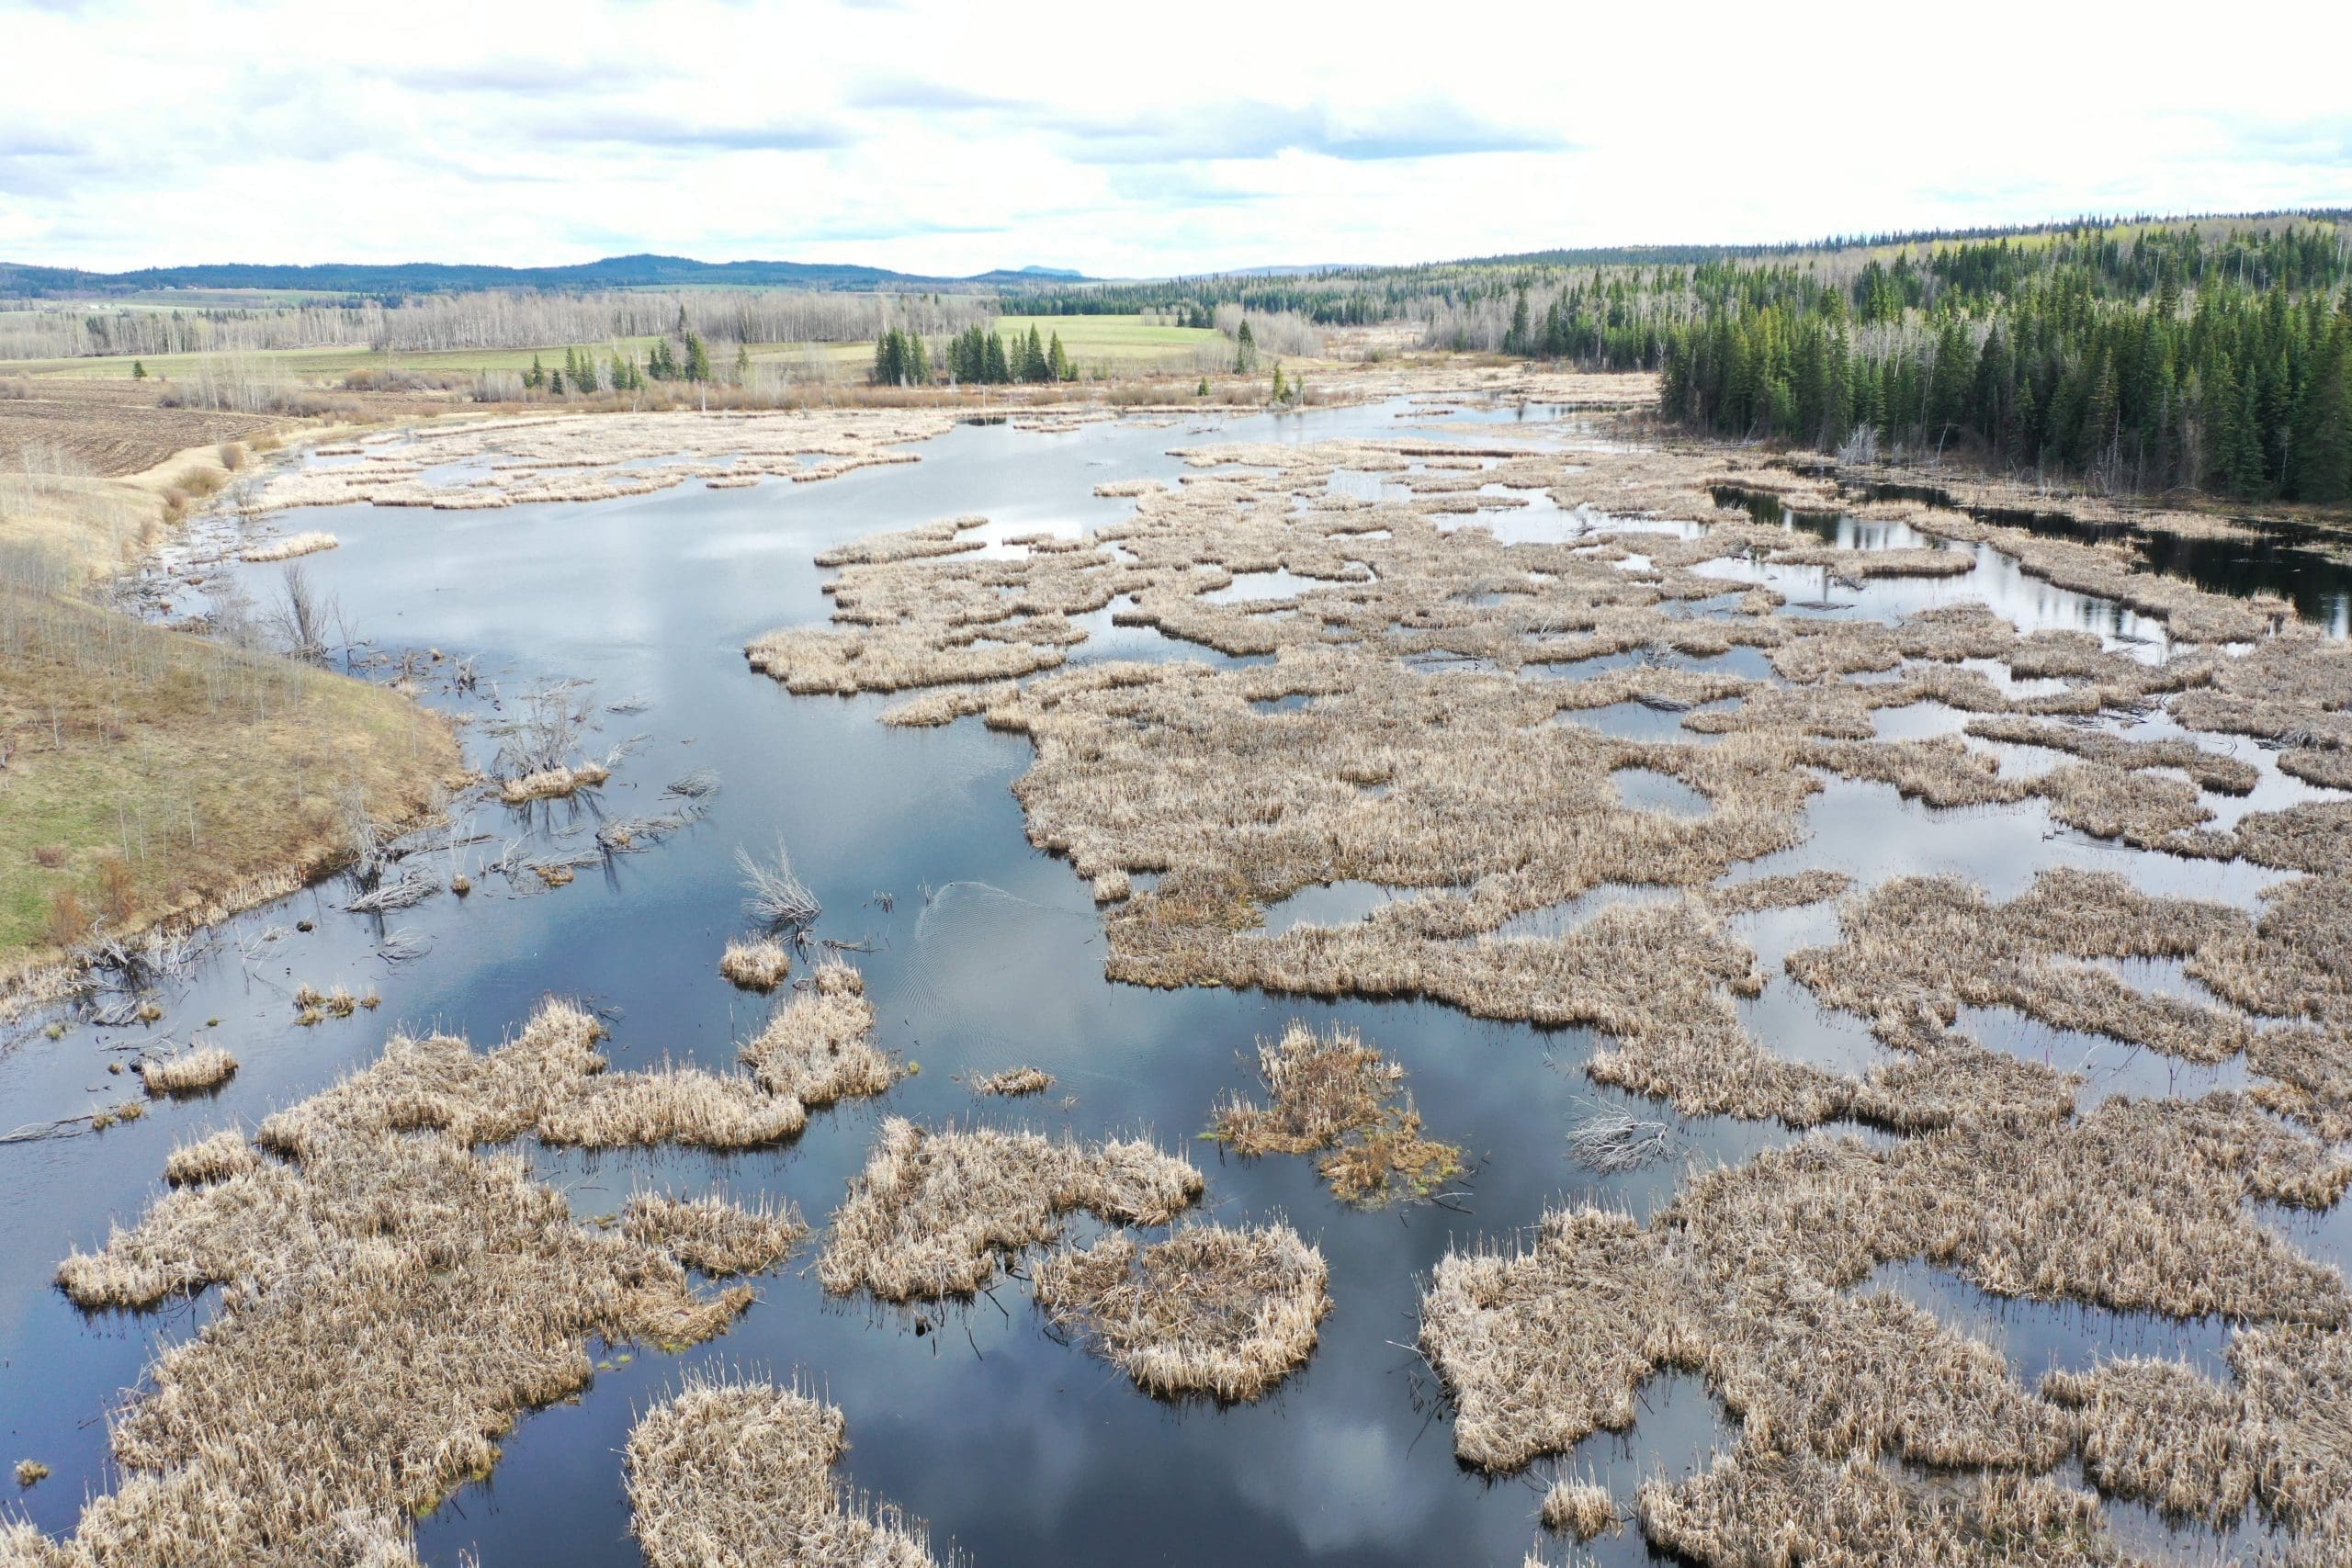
(953,138)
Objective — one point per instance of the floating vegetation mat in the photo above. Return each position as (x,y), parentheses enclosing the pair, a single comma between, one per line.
(1401,696)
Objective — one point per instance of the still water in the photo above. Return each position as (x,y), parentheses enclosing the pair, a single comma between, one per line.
(983,953)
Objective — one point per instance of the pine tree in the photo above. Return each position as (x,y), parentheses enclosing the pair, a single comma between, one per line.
(535,377)
(1245,356)
(138,370)
(743,363)
(1059,362)
(996,371)
(1280,393)
(2321,452)
(698,358)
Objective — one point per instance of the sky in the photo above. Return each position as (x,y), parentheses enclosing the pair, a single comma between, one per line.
(1127,140)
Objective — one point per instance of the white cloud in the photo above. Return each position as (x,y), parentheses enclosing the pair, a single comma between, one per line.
(949,138)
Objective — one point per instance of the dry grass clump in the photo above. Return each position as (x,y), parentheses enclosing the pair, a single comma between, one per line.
(756,964)
(313,1006)
(712,1233)
(290,545)
(738,1475)
(552,784)
(31,1472)
(1014,1081)
(935,1212)
(1212,1310)
(1333,1094)
(1583,1509)
(190,1072)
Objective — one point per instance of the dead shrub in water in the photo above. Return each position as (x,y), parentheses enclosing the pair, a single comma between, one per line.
(1211,1310)
(738,1475)
(1335,1095)
(934,1213)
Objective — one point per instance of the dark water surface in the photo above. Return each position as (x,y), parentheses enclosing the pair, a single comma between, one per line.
(1018,1447)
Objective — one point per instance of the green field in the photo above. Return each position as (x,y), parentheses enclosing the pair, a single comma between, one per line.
(1109,341)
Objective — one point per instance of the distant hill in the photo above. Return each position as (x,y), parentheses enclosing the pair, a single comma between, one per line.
(643,271)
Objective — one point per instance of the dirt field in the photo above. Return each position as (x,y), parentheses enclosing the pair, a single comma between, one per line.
(108,429)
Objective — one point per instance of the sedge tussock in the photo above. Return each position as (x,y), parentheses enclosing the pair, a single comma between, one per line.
(1581,1509)
(190,1072)
(1014,1081)
(739,1475)
(1333,1094)
(756,964)
(936,1214)
(1213,1310)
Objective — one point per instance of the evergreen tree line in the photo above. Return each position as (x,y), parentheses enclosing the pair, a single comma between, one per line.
(619,372)
(2245,393)
(974,356)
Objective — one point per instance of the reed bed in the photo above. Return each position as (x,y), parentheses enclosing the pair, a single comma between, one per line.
(575,458)
(357,1371)
(739,1475)
(936,1214)
(1213,1310)
(188,1072)
(1333,1094)
(1427,718)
